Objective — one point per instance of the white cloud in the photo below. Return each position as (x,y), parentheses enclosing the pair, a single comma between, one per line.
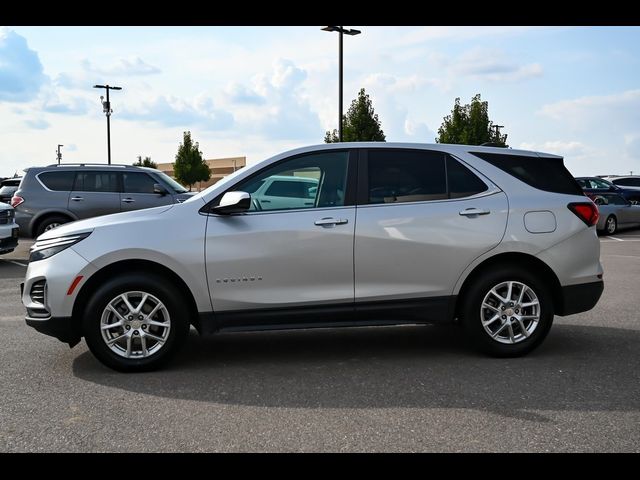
(632,146)
(459,33)
(37,123)
(405,84)
(21,73)
(123,66)
(597,110)
(172,111)
(276,104)
(493,65)
(559,147)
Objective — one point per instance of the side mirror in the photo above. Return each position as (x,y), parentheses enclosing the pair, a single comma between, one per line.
(233,202)
(600,201)
(157,188)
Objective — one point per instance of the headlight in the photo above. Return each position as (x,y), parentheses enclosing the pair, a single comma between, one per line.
(47,248)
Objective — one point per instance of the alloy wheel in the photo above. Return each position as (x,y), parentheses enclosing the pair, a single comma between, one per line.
(135,324)
(510,312)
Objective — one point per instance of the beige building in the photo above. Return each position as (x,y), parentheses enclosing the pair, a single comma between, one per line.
(220,168)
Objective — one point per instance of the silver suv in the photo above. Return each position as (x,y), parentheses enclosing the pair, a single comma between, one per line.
(498,240)
(50,196)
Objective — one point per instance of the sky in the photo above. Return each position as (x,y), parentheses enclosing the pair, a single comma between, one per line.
(258,91)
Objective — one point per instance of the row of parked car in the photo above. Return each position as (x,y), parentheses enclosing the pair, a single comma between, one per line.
(618,200)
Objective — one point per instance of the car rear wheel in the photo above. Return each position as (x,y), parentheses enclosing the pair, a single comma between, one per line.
(50,222)
(507,312)
(611,225)
(135,323)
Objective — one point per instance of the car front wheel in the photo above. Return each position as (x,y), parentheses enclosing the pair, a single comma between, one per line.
(507,313)
(135,323)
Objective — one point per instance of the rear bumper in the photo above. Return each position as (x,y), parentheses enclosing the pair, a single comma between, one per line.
(580,298)
(9,237)
(58,327)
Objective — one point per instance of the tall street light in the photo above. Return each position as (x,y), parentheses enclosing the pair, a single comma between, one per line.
(106,108)
(341,31)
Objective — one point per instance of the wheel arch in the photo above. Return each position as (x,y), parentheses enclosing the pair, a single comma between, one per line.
(42,216)
(521,260)
(127,266)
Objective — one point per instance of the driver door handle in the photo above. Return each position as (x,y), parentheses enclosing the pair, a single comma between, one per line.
(474,211)
(128,200)
(77,199)
(327,221)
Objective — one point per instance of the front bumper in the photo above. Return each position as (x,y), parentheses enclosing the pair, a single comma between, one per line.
(61,328)
(580,298)
(54,276)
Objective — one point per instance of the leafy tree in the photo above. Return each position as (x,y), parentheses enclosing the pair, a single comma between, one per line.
(360,124)
(147,162)
(189,166)
(470,125)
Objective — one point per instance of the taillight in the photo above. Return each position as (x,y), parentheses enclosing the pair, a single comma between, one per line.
(16,200)
(587,212)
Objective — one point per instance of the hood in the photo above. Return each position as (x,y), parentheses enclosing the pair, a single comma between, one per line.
(90,224)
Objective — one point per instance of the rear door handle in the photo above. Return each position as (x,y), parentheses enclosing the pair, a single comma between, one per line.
(331,221)
(474,211)
(128,200)
(77,199)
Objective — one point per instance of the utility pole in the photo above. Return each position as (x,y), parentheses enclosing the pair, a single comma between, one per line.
(59,153)
(106,108)
(498,127)
(341,30)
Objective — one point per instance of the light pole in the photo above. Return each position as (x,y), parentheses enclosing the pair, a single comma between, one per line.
(341,31)
(106,108)
(59,153)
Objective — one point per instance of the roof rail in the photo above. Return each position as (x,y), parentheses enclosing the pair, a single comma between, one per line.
(88,165)
(491,144)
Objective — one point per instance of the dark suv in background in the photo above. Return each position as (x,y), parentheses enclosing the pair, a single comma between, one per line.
(594,186)
(8,187)
(57,194)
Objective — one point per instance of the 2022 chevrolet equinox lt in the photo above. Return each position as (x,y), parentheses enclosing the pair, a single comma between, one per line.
(498,240)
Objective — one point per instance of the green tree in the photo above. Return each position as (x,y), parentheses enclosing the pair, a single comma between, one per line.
(470,125)
(147,162)
(189,166)
(360,124)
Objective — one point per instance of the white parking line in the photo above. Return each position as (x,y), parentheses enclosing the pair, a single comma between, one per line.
(614,238)
(615,241)
(625,256)
(14,262)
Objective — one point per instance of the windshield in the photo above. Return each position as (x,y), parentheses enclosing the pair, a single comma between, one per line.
(175,185)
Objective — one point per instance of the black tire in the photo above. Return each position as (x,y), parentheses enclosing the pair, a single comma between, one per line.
(611,225)
(154,285)
(471,319)
(47,222)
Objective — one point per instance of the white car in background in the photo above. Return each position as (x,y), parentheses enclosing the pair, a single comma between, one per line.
(8,229)
(284,191)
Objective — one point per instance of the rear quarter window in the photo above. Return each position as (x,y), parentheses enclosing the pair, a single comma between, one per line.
(58,181)
(543,173)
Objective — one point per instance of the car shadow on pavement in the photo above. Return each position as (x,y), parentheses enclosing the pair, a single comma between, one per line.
(580,368)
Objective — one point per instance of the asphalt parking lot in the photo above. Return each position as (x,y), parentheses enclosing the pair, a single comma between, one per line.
(365,389)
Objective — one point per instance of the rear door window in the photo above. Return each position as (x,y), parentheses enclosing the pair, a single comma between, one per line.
(95,181)
(461,181)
